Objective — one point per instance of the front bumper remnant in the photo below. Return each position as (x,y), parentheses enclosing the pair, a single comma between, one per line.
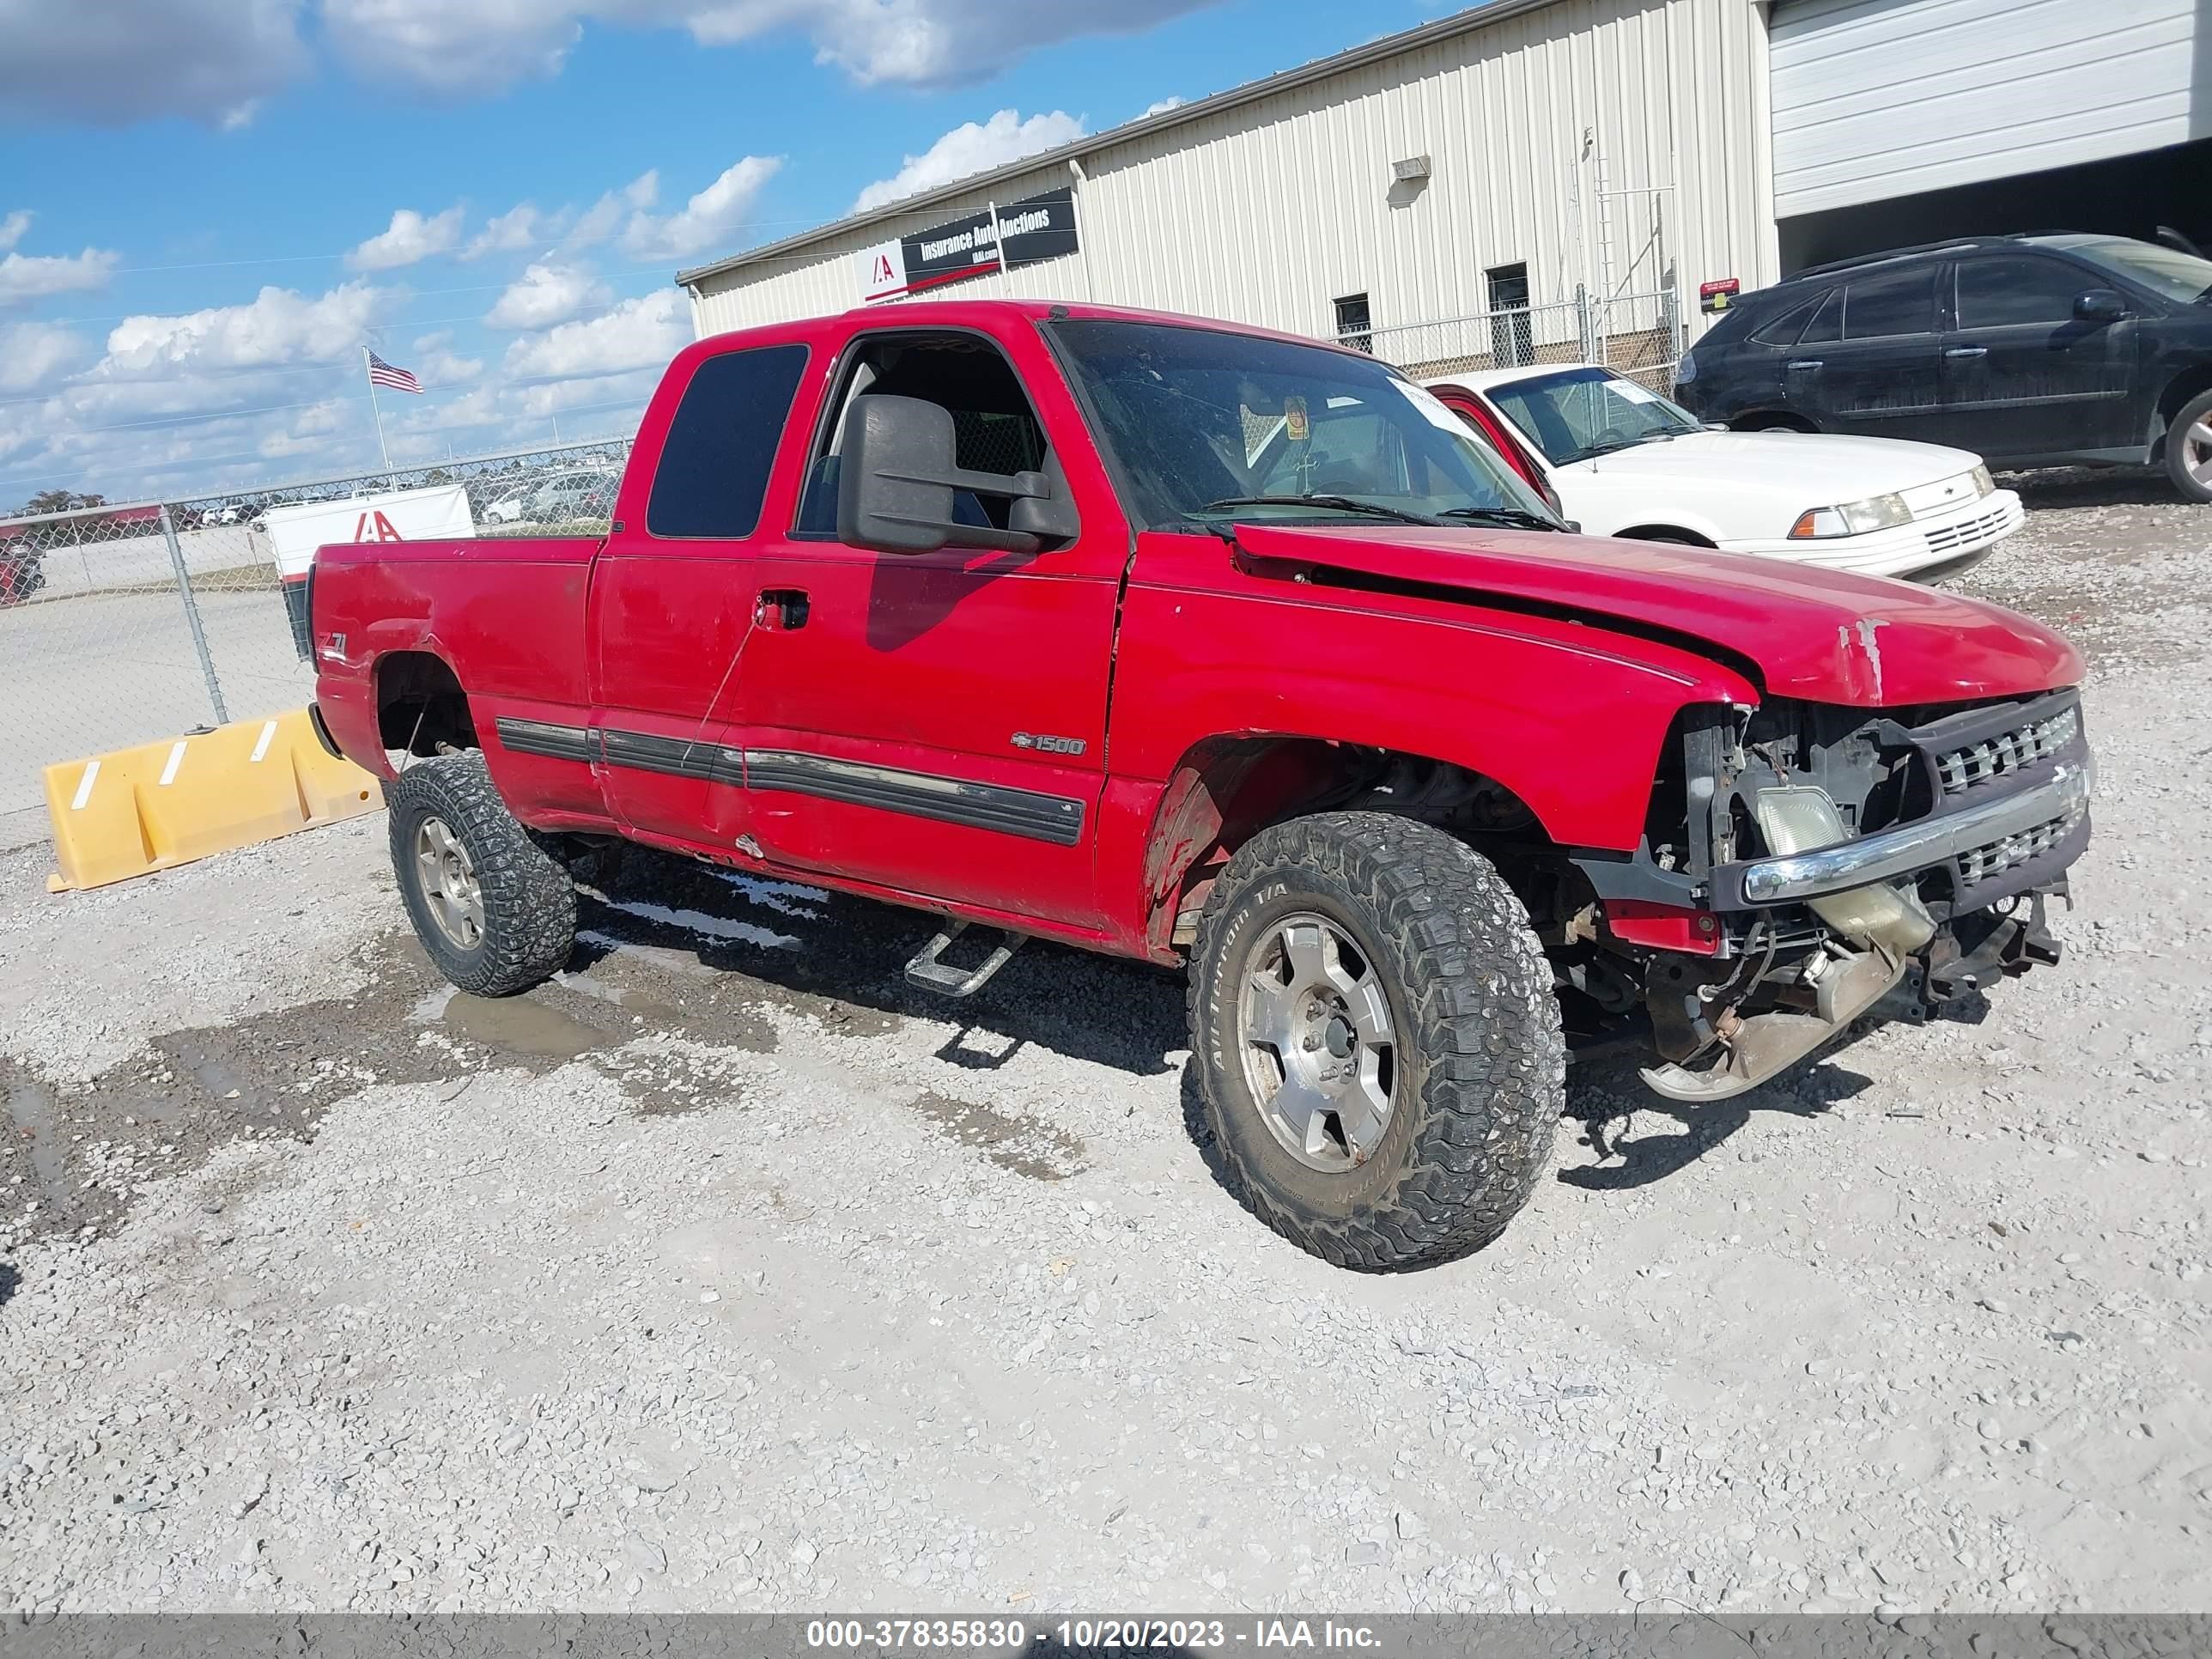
(2060,799)
(1766,1044)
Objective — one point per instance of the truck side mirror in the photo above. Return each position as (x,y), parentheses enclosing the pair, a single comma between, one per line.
(897,476)
(2099,305)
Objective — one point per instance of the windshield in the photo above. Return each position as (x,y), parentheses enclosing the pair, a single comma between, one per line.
(2162,270)
(1199,422)
(1581,412)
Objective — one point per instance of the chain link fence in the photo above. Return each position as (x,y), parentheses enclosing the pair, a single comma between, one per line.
(127,625)
(1636,335)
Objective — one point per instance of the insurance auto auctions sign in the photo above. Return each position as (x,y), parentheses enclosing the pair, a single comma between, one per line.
(1026,232)
(396,515)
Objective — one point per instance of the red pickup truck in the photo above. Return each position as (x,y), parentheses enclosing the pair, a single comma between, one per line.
(1206,645)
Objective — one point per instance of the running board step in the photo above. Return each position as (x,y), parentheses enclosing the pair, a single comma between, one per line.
(930,973)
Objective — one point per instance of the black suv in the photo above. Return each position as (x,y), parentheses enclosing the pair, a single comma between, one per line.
(2053,350)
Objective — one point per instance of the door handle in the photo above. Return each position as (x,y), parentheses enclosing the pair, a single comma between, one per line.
(1805,365)
(1961,352)
(781,607)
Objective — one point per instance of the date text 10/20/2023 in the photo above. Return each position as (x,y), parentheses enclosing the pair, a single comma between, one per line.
(1134,1633)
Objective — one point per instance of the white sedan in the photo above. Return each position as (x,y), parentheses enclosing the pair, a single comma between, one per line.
(1621,460)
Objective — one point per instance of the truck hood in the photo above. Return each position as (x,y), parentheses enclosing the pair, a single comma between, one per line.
(1823,468)
(1823,635)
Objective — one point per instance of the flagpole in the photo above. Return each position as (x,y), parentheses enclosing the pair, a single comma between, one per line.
(379,412)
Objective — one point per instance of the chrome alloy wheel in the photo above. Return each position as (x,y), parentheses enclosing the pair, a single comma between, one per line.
(1320,1047)
(2196,450)
(450,887)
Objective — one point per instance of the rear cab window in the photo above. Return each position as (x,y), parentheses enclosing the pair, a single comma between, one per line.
(720,449)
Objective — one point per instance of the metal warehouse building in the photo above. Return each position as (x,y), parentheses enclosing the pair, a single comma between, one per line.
(1544,179)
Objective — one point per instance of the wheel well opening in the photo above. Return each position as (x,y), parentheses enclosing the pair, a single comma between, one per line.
(420,705)
(2188,384)
(1227,790)
(1665,533)
(1768,420)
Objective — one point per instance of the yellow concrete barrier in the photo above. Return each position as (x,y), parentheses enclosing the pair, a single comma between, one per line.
(140,809)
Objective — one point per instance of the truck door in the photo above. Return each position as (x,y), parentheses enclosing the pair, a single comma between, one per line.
(2022,375)
(673,596)
(936,722)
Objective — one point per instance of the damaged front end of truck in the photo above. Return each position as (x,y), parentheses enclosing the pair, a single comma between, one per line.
(1826,863)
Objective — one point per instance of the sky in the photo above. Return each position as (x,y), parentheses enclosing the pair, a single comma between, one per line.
(208,207)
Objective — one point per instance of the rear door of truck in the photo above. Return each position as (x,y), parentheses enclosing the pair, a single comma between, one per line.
(673,599)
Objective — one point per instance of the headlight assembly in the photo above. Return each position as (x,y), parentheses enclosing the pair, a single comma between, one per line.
(1851,518)
(1800,820)
(1984,484)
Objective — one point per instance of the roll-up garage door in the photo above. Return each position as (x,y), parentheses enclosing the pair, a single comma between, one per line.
(1876,98)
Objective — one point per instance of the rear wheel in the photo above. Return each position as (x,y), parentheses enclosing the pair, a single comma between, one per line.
(2188,449)
(494,910)
(1378,1040)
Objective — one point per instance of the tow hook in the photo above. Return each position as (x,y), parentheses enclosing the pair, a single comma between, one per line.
(1766,1044)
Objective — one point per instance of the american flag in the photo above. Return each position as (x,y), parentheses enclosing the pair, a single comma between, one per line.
(398,379)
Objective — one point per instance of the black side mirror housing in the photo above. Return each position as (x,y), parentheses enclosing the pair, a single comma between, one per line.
(2099,305)
(897,476)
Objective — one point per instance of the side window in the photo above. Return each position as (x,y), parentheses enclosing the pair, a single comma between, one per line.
(714,467)
(1997,293)
(1827,323)
(1782,331)
(1895,302)
(993,428)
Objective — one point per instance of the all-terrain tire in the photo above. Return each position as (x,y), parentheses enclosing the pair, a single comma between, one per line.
(1480,1062)
(528,902)
(2188,449)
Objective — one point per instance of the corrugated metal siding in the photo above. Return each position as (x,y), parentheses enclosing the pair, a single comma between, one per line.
(1876,98)
(1267,212)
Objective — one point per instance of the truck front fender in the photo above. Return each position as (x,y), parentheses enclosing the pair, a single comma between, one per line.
(1215,706)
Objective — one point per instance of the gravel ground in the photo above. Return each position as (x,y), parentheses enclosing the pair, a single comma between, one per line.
(726,1273)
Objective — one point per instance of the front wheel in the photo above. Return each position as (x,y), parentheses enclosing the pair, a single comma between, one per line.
(2188,449)
(1378,1040)
(494,909)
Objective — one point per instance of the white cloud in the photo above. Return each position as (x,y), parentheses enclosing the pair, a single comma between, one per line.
(436,363)
(277,327)
(454,48)
(596,393)
(12,229)
(33,353)
(25,276)
(970,149)
(712,218)
(604,216)
(117,62)
(927,43)
(546,295)
(409,239)
(518,227)
(1162,106)
(639,333)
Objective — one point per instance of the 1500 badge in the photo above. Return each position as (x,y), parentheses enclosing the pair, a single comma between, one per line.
(1049,744)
